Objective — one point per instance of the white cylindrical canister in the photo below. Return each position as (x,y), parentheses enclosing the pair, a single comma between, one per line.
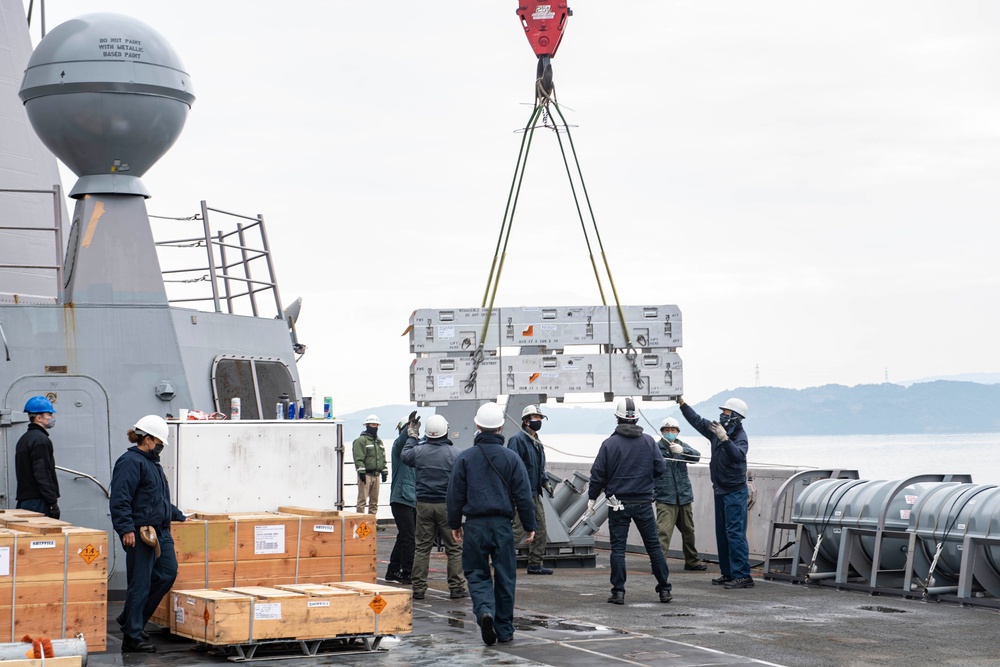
(234,408)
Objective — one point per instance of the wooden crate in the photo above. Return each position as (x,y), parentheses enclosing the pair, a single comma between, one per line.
(333,611)
(359,534)
(64,661)
(74,553)
(390,609)
(213,617)
(276,614)
(87,618)
(195,538)
(310,511)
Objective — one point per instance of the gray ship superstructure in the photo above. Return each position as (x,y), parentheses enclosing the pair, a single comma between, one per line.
(90,325)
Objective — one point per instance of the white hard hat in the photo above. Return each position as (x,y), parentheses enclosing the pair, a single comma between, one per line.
(437,426)
(532,410)
(670,422)
(489,415)
(626,409)
(735,405)
(153,425)
(372,419)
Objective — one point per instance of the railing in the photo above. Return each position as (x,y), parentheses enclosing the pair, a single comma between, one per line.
(56,194)
(231,279)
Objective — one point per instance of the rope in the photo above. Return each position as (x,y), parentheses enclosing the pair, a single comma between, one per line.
(196,216)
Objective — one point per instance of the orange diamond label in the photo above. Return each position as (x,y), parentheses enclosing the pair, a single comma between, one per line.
(89,554)
(207,616)
(364,531)
(377,604)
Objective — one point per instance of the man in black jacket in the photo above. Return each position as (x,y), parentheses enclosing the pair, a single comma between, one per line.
(489,485)
(624,470)
(35,463)
(728,468)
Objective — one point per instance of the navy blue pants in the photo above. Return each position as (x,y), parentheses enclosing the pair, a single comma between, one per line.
(401,558)
(34,505)
(491,539)
(731,533)
(645,522)
(149,579)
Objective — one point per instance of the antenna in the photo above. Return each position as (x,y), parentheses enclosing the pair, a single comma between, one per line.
(756,381)
(887,375)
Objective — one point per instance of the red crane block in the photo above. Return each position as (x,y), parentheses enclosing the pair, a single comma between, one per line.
(544,23)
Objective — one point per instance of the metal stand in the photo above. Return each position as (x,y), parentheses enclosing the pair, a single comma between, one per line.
(285,649)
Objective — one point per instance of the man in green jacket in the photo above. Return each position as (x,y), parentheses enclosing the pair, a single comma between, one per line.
(674,495)
(369,459)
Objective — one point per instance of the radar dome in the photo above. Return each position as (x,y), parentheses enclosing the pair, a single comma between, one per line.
(109,96)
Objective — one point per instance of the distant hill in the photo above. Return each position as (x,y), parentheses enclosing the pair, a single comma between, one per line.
(925,407)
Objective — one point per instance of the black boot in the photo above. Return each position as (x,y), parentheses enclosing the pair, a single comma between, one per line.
(404,578)
(392,574)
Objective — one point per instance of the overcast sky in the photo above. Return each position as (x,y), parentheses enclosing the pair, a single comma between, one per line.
(815,184)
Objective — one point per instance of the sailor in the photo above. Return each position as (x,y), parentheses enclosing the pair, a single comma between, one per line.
(728,469)
(624,470)
(526,444)
(433,459)
(674,495)
(489,485)
(369,459)
(141,513)
(403,503)
(35,462)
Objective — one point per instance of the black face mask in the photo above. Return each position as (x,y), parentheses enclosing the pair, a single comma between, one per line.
(158,448)
(535,425)
(729,422)
(371,430)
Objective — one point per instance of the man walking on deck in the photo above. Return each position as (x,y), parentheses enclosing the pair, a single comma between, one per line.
(624,470)
(489,486)
(527,445)
(728,469)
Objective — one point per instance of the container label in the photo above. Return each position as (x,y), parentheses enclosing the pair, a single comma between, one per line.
(4,561)
(179,615)
(322,528)
(268,539)
(318,603)
(190,601)
(43,544)
(904,515)
(267,611)
(911,500)
(446,332)
(961,526)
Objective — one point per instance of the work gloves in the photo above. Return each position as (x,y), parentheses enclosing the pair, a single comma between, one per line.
(590,509)
(385,475)
(675,448)
(361,477)
(413,426)
(54,511)
(718,431)
(549,487)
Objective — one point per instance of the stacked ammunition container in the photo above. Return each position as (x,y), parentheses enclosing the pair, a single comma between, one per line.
(53,579)
(292,546)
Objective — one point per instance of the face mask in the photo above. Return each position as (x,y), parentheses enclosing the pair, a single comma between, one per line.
(51,424)
(158,448)
(371,430)
(669,435)
(535,425)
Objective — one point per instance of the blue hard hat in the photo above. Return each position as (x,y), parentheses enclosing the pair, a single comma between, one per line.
(38,404)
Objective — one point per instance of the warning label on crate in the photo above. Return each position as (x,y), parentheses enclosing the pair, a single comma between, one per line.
(322,528)
(89,554)
(179,615)
(362,531)
(4,561)
(377,604)
(318,603)
(267,611)
(43,544)
(269,539)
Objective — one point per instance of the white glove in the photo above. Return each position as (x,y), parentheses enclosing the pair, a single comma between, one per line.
(590,509)
(719,431)
(675,448)
(615,504)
